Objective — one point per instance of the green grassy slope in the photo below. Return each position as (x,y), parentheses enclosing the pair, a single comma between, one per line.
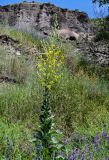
(80,101)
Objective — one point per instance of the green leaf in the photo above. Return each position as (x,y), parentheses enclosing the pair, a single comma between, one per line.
(54,140)
(60,157)
(59,146)
(32,140)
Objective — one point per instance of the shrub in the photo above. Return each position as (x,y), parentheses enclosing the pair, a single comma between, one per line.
(102,35)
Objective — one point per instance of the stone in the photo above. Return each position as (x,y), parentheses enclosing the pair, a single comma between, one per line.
(68,34)
(18,53)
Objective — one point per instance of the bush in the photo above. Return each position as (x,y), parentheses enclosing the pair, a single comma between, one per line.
(102,35)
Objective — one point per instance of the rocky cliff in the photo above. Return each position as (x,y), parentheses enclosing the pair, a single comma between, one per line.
(39,18)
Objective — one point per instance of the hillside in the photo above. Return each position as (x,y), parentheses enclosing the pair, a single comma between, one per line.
(54,91)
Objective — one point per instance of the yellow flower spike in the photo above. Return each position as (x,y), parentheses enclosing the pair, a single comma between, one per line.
(49,67)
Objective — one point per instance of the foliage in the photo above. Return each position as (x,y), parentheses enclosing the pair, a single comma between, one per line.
(95,123)
(15,141)
(102,22)
(101,2)
(102,35)
(102,29)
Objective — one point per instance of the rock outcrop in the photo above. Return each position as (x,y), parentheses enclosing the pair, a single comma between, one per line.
(97,52)
(39,18)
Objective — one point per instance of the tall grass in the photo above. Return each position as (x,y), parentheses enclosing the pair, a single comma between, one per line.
(77,98)
(19,96)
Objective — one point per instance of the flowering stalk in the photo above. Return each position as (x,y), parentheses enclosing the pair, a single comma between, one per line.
(49,73)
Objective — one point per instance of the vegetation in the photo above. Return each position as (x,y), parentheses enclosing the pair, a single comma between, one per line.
(98,149)
(101,2)
(102,19)
(101,26)
(79,101)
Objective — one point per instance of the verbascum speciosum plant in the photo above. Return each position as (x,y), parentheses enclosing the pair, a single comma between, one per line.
(49,65)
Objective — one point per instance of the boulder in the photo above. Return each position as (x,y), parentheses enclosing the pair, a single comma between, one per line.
(68,34)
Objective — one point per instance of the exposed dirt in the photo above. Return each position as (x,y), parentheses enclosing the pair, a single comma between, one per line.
(7,79)
(4,39)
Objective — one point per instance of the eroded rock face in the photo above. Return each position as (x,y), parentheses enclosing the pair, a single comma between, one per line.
(39,18)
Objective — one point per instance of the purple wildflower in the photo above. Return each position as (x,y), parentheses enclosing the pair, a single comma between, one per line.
(81,154)
(30,150)
(79,151)
(65,141)
(86,149)
(38,147)
(97,140)
(104,134)
(74,154)
(108,139)
(91,156)
(73,157)
(82,158)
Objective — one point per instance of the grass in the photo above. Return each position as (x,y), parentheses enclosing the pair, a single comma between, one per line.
(80,101)
(15,141)
(26,40)
(78,98)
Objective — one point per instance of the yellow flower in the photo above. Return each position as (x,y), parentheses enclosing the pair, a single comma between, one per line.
(62,57)
(49,67)
(59,64)
(57,53)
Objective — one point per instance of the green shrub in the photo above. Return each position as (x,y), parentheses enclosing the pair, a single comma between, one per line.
(102,35)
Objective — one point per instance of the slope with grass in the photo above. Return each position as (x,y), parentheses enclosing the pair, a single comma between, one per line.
(80,101)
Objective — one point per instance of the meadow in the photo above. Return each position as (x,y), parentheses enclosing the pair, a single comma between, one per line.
(79,103)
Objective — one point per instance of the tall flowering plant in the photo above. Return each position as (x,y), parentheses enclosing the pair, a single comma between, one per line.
(48,67)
